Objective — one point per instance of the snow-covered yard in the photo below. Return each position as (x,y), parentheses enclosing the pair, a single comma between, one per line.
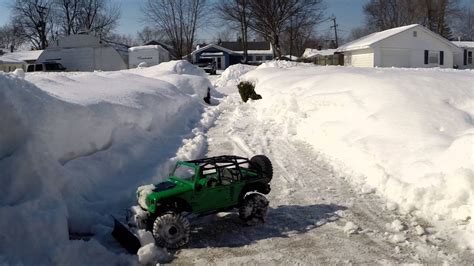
(371,165)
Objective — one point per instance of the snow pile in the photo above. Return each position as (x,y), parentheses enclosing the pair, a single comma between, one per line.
(73,149)
(180,67)
(308,52)
(408,133)
(231,76)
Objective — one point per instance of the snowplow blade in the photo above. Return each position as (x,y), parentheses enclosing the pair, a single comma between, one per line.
(126,238)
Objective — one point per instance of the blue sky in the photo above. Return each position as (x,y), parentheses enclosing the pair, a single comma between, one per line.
(348,13)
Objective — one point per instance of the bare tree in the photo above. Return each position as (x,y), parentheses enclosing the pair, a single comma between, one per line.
(464,24)
(33,17)
(178,20)
(98,17)
(148,34)
(11,36)
(270,17)
(237,12)
(387,14)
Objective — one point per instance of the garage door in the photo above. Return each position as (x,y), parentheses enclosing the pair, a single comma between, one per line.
(395,58)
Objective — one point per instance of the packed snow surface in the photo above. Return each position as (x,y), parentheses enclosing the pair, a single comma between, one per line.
(407,134)
(75,146)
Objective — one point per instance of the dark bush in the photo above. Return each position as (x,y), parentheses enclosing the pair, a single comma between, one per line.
(247,91)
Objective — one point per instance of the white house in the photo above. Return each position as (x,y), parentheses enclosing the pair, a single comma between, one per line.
(11,61)
(407,46)
(149,54)
(463,59)
(83,52)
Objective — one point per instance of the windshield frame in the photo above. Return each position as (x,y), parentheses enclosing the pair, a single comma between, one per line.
(185,165)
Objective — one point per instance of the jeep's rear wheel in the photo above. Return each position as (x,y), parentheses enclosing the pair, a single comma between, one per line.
(254,209)
(171,230)
(263,164)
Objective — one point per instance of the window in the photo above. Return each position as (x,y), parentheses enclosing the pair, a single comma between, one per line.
(415,33)
(268,57)
(258,58)
(39,67)
(30,68)
(469,57)
(441,57)
(433,57)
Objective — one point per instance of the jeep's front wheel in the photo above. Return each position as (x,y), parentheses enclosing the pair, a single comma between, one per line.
(254,209)
(171,230)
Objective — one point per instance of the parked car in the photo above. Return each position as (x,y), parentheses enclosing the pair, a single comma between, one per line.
(208,65)
(46,67)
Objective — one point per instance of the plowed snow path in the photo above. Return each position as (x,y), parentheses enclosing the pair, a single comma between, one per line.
(310,206)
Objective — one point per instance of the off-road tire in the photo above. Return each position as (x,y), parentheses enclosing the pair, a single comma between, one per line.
(171,230)
(264,164)
(253,209)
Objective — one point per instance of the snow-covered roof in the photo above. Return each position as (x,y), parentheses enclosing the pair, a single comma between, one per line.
(216,46)
(8,60)
(369,40)
(464,44)
(308,52)
(23,55)
(145,47)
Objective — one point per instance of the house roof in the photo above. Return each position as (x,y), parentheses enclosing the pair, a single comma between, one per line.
(308,52)
(237,46)
(464,44)
(22,56)
(371,39)
(228,47)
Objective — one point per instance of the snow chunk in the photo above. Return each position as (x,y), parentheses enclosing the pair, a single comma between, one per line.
(351,228)
(397,226)
(420,230)
(397,238)
(151,254)
(19,72)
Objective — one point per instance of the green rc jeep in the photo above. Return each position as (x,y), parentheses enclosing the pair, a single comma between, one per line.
(201,187)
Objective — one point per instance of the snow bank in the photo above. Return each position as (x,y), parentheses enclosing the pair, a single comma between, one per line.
(179,67)
(231,76)
(408,133)
(73,149)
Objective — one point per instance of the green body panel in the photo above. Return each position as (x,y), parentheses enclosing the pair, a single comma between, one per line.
(197,191)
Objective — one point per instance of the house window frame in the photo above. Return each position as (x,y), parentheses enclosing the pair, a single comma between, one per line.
(415,33)
(469,57)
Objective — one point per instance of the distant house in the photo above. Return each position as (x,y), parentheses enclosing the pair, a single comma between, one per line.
(11,61)
(82,52)
(407,46)
(224,54)
(463,59)
(149,54)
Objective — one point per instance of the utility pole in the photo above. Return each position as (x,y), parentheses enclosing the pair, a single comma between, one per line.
(335,29)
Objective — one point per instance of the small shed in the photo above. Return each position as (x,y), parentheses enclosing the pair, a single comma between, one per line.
(82,52)
(463,60)
(407,46)
(149,54)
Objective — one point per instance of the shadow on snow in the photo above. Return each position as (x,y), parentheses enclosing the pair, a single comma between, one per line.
(282,222)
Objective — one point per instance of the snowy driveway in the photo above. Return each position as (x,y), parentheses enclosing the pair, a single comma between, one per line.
(316,215)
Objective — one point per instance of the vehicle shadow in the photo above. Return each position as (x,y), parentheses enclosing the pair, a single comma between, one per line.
(226,230)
